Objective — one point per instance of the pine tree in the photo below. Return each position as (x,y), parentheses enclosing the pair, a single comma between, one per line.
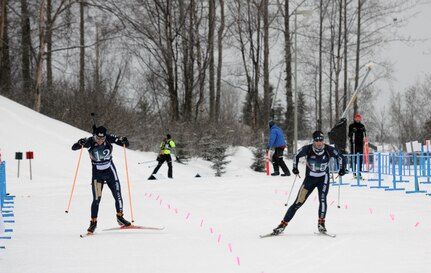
(219,159)
(259,160)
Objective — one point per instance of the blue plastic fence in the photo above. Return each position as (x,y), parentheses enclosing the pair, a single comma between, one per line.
(6,204)
(390,170)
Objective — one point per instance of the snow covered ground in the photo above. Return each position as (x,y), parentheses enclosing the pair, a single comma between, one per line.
(211,224)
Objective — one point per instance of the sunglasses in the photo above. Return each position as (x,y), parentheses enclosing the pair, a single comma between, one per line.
(318,140)
(100,138)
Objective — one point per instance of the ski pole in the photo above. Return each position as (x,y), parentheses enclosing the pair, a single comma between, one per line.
(128,183)
(291,189)
(144,162)
(339,189)
(74,179)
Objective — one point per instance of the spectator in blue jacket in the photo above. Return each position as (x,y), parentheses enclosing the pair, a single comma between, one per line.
(277,141)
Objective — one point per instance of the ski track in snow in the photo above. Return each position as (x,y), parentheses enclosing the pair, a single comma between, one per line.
(212,225)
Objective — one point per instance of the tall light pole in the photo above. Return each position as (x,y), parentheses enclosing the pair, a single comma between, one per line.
(295,109)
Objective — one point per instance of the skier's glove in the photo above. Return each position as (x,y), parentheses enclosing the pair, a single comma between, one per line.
(295,171)
(82,141)
(124,141)
(341,172)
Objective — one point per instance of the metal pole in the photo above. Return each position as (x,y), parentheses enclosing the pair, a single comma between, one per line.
(355,93)
(295,119)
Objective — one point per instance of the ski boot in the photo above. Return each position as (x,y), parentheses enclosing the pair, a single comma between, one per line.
(93,225)
(121,221)
(275,174)
(286,173)
(321,225)
(280,228)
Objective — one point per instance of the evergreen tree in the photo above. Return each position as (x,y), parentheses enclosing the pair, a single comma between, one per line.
(219,159)
(303,117)
(278,115)
(247,111)
(259,160)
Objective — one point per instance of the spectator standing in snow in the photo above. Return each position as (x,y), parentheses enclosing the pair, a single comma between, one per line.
(167,147)
(104,172)
(277,141)
(357,134)
(317,156)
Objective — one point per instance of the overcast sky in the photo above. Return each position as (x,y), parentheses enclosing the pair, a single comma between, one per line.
(411,60)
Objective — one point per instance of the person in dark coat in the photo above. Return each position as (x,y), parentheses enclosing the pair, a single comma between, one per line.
(357,134)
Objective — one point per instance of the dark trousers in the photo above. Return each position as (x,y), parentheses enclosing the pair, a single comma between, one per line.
(277,161)
(307,187)
(161,159)
(355,149)
(110,178)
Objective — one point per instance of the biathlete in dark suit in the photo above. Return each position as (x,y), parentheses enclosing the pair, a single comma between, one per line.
(317,156)
(104,172)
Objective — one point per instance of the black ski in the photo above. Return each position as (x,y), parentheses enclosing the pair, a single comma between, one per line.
(134,227)
(272,234)
(326,234)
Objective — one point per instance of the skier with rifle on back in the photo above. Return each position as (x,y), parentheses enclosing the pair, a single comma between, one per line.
(167,146)
(104,172)
(317,156)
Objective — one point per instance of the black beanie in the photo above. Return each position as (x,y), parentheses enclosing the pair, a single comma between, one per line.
(271,123)
(100,131)
(318,135)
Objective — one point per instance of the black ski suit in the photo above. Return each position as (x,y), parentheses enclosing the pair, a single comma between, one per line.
(316,176)
(104,171)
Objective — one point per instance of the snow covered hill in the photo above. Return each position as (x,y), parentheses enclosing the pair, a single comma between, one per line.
(211,224)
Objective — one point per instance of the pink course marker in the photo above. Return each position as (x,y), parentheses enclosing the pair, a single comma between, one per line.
(161,202)
(392,216)
(370,210)
(211,230)
(345,206)
(218,239)
(188,215)
(417,224)
(202,222)
(238,261)
(158,196)
(332,203)
(230,247)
